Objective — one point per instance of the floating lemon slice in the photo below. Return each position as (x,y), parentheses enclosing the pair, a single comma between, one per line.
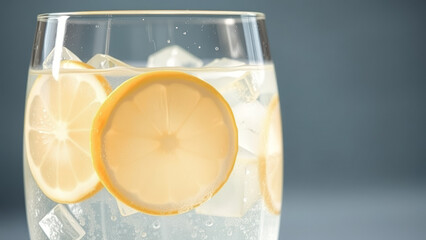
(164,142)
(59,115)
(271,158)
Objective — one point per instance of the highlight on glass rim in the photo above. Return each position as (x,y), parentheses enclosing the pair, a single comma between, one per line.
(152,125)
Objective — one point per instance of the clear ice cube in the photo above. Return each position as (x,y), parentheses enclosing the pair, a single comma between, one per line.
(244,89)
(237,85)
(249,118)
(238,194)
(56,56)
(124,209)
(269,87)
(59,224)
(220,79)
(78,212)
(173,56)
(102,61)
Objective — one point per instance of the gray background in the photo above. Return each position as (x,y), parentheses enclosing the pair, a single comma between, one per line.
(352,79)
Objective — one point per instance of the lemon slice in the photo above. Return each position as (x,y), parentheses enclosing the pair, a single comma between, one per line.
(271,158)
(59,114)
(164,142)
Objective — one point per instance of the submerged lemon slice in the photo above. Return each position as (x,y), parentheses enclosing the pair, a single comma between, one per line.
(164,142)
(271,158)
(59,115)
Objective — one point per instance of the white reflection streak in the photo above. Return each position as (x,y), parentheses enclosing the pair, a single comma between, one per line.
(251,35)
(232,38)
(59,41)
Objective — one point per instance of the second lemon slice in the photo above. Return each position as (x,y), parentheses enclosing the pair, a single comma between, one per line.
(59,115)
(271,158)
(164,142)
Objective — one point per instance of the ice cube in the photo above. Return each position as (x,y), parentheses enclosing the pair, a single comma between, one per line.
(220,78)
(59,224)
(102,61)
(237,85)
(249,118)
(238,194)
(244,89)
(124,209)
(173,56)
(57,55)
(78,212)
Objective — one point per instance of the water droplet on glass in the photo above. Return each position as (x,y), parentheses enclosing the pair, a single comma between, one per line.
(168,40)
(177,27)
(216,48)
(113,218)
(156,225)
(143,19)
(229,232)
(184,33)
(143,234)
(199,47)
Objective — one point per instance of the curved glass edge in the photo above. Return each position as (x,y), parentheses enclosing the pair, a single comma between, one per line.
(209,13)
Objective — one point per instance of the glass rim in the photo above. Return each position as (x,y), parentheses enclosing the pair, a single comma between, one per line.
(112,13)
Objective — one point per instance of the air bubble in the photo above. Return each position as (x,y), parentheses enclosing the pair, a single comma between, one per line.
(168,40)
(229,232)
(199,47)
(209,222)
(184,33)
(216,48)
(113,218)
(156,225)
(143,234)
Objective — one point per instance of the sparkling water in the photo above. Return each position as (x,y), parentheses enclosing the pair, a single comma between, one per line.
(236,212)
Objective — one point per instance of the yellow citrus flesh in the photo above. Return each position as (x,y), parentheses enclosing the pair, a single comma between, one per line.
(164,142)
(271,158)
(59,114)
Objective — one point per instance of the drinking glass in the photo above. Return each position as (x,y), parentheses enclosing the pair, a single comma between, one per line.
(152,125)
